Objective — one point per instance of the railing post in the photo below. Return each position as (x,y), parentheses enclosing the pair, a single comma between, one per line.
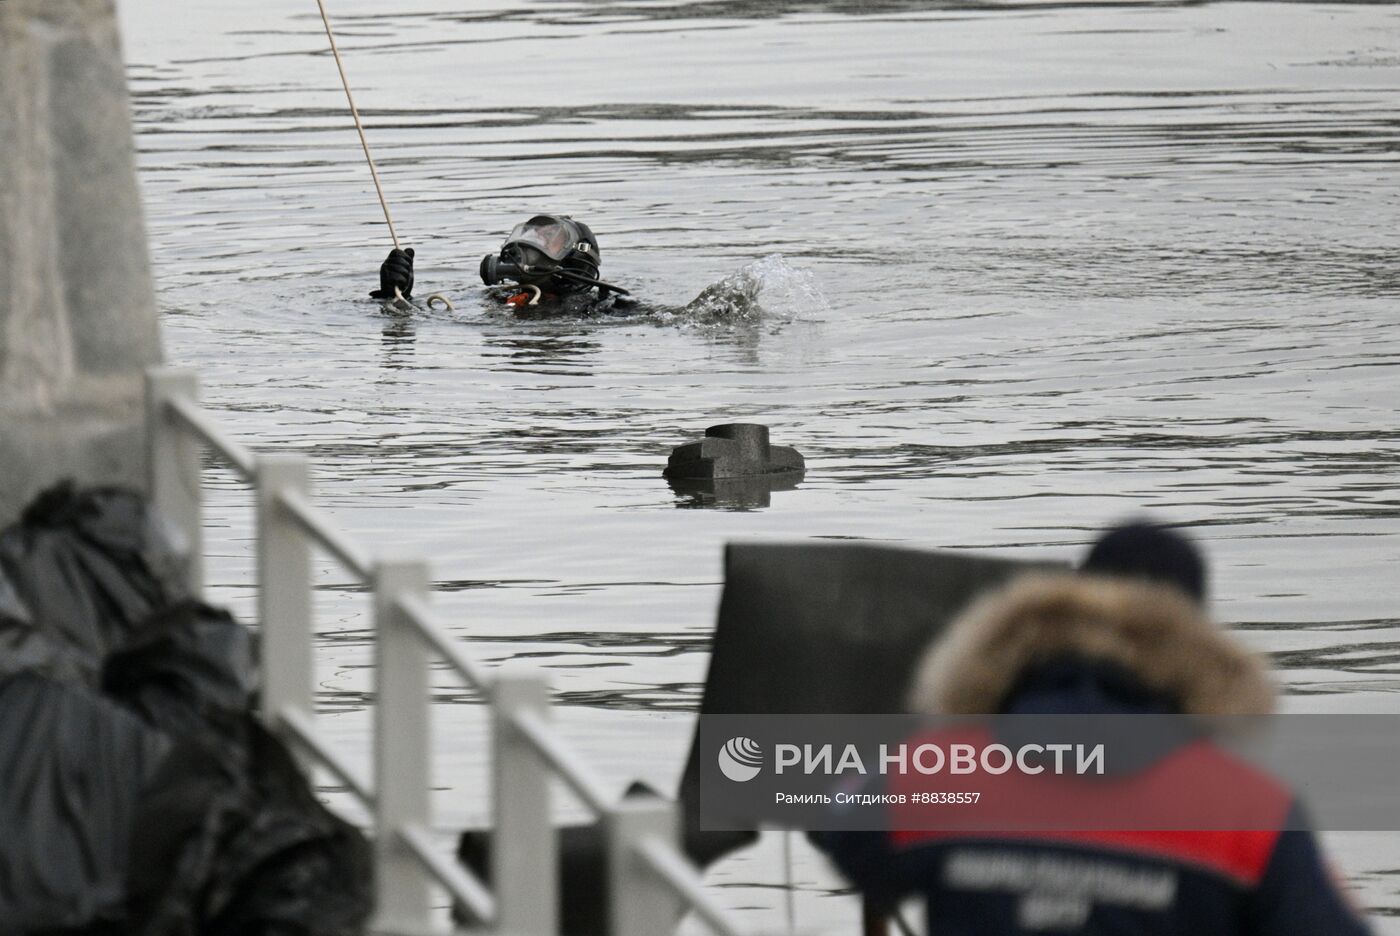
(402,762)
(172,469)
(524,859)
(284,591)
(640,903)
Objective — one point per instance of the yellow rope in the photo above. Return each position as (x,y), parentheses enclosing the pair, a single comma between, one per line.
(355,113)
(399,298)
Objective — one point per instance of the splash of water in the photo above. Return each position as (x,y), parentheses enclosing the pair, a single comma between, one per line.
(769,289)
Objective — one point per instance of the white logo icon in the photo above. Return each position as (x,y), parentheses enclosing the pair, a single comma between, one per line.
(740,759)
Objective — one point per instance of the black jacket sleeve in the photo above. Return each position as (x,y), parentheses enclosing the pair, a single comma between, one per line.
(1298,895)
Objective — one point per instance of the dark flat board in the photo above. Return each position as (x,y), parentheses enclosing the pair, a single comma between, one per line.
(817,628)
(834,627)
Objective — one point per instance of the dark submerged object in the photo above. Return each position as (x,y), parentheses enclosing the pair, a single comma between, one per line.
(553,253)
(751,493)
(732,450)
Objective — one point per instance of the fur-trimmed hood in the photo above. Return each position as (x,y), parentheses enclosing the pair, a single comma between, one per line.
(1152,632)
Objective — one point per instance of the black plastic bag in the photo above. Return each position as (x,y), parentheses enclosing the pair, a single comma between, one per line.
(225,849)
(89,564)
(72,777)
(189,670)
(230,838)
(161,807)
(12,610)
(24,649)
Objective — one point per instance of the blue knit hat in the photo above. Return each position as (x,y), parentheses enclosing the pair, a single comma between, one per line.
(1149,551)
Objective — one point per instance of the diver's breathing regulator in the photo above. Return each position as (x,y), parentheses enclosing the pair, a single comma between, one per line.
(551,253)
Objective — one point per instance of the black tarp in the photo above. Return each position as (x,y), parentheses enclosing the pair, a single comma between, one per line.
(74,774)
(72,770)
(189,670)
(26,649)
(89,564)
(823,628)
(237,845)
(158,806)
(230,840)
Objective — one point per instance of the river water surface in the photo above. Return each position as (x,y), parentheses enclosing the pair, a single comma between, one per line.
(1022,269)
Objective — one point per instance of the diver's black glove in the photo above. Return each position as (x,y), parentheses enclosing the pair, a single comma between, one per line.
(396,270)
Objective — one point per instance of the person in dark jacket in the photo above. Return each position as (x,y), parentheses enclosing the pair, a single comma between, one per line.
(1126,635)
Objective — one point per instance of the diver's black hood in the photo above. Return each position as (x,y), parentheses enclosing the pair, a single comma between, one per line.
(550,252)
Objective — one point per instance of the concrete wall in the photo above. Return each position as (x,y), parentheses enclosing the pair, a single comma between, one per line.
(77,313)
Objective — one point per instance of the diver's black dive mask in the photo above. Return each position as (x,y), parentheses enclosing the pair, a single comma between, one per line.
(551,252)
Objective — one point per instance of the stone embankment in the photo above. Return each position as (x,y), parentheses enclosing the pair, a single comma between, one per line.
(77,313)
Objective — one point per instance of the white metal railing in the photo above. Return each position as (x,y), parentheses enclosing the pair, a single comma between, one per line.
(651,881)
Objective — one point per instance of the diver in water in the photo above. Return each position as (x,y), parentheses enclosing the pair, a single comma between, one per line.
(549,259)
